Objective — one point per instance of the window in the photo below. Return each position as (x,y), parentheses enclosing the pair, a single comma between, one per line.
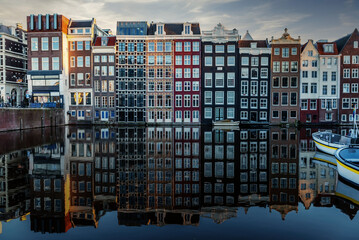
(264,61)
(55,43)
(208,48)
(314,63)
(34,64)
(314,74)
(245,61)
(195,46)
(187,46)
(334,76)
(231,61)
(285,52)
(304,104)
(310,53)
(254,73)
(354,87)
(313,88)
(219,81)
(355,44)
(208,80)
(305,74)
(55,63)
(304,87)
(230,97)
(159,46)
(207,97)
(219,97)
(254,61)
(230,79)
(219,61)
(325,90)
(285,66)
(276,51)
(195,73)
(34,44)
(187,73)
(219,48)
(346,102)
(305,63)
(244,88)
(346,60)
(294,51)
(325,76)
(45,63)
(294,66)
(276,66)
(80,61)
(80,45)
(44,43)
(284,98)
(195,86)
(151,46)
(87,45)
(231,49)
(103,70)
(346,88)
(355,73)
(87,61)
(208,61)
(333,90)
(275,82)
(208,113)
(245,73)
(346,73)
(195,59)
(285,82)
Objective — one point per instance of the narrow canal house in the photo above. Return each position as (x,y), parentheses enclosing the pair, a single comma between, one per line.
(219,73)
(254,80)
(285,67)
(131,67)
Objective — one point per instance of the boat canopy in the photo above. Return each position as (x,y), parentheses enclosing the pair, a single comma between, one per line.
(350,154)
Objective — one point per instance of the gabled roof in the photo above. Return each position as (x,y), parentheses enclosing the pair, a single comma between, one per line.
(303,47)
(5,29)
(81,23)
(247,36)
(320,47)
(341,42)
(111,41)
(174,28)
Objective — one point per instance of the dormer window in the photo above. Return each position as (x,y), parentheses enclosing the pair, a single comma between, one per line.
(328,48)
(160,29)
(72,30)
(87,30)
(104,41)
(253,45)
(187,29)
(80,31)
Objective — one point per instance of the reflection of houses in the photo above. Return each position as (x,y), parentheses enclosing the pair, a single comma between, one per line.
(81,156)
(284,170)
(187,168)
(253,168)
(49,188)
(131,169)
(105,170)
(14,193)
(218,178)
(160,164)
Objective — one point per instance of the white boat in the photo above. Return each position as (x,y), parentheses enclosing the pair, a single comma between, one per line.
(348,163)
(330,142)
(325,158)
(226,123)
(347,191)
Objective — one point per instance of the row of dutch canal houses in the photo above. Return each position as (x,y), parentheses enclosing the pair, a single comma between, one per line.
(161,176)
(175,73)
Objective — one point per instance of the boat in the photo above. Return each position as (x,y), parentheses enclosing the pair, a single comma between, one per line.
(348,163)
(347,191)
(226,123)
(329,142)
(325,158)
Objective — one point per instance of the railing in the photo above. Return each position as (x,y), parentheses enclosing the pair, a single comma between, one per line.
(46,105)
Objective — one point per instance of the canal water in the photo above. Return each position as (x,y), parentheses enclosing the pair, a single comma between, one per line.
(172,183)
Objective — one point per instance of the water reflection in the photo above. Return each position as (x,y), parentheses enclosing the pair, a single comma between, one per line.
(71,177)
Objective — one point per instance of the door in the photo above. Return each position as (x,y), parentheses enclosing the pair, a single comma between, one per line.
(104,115)
(284,116)
(254,117)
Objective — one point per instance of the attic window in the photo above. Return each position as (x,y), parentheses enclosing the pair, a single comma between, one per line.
(159,29)
(328,48)
(80,31)
(104,41)
(254,45)
(355,44)
(187,29)
(72,30)
(87,30)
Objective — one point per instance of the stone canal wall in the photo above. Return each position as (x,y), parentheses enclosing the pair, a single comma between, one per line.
(26,118)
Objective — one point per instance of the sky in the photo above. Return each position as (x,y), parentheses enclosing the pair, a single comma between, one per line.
(309,19)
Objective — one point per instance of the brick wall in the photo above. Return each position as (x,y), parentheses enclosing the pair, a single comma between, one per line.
(16,119)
